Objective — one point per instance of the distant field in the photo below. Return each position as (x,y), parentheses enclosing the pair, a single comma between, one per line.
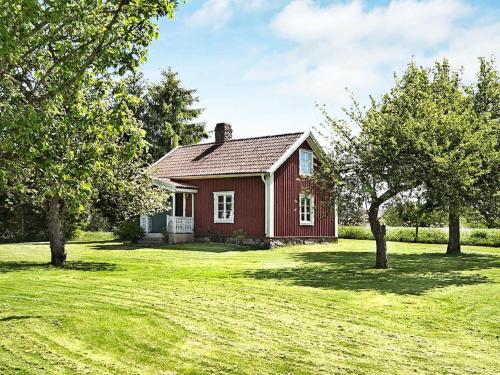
(469,236)
(208,309)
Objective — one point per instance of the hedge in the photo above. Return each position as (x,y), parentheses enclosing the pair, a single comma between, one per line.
(475,237)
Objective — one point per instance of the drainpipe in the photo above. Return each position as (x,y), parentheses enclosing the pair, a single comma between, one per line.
(268,180)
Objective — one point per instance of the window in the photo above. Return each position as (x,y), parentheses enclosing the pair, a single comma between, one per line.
(305,162)
(224,207)
(306,211)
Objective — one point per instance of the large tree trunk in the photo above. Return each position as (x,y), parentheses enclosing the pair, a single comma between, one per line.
(56,233)
(453,234)
(378,232)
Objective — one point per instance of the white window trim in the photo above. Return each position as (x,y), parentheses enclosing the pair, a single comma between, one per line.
(218,220)
(304,222)
(302,173)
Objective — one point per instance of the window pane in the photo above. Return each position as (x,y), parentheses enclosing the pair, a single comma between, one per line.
(229,206)
(221,206)
(228,214)
(220,214)
(220,198)
(229,198)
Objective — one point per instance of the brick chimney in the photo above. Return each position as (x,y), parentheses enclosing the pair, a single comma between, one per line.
(223,132)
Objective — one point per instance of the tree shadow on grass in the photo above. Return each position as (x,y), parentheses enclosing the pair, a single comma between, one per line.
(211,247)
(6,267)
(409,273)
(18,317)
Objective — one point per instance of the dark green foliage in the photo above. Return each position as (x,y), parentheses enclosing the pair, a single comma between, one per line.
(167,113)
(411,214)
(130,231)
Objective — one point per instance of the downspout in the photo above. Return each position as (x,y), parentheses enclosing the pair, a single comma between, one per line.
(268,181)
(266,205)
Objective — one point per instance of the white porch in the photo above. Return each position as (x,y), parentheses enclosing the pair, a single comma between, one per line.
(177,221)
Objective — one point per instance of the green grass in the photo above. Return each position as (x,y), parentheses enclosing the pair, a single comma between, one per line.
(208,309)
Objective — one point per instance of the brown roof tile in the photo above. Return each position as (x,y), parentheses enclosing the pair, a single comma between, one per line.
(248,155)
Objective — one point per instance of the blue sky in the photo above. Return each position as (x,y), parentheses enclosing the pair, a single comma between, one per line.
(263,65)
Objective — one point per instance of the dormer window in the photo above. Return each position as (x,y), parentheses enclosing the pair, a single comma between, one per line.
(305,162)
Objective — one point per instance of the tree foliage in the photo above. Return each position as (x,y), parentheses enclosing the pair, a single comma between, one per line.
(461,149)
(167,113)
(65,125)
(375,153)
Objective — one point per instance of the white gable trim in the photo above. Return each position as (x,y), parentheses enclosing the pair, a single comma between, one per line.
(307,136)
(164,157)
(289,152)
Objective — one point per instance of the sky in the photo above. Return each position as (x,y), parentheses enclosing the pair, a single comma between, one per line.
(263,66)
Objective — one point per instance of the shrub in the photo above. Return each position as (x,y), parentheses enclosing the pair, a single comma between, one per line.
(130,231)
(355,233)
(478,237)
(481,237)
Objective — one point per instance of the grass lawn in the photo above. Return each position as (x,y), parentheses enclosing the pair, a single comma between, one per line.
(208,309)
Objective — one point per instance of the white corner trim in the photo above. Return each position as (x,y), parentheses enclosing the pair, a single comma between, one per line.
(271,204)
(268,181)
(266,203)
(289,152)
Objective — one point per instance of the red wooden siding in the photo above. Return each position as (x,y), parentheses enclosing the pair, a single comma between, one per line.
(287,188)
(249,210)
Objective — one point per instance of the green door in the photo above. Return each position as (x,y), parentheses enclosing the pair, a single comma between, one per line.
(159,222)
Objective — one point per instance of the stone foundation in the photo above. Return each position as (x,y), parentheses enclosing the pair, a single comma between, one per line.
(265,243)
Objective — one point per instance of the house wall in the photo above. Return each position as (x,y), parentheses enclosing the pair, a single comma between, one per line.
(249,210)
(287,187)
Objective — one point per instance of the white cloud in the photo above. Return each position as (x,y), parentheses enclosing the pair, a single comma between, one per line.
(347,45)
(217,13)
(212,13)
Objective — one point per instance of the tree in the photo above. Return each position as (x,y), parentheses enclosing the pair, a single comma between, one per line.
(486,98)
(63,124)
(459,150)
(413,210)
(167,113)
(375,154)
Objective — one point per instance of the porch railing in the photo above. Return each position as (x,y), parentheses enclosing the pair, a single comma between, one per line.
(146,223)
(176,224)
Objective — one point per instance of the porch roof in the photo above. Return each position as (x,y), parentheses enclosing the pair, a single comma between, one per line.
(173,185)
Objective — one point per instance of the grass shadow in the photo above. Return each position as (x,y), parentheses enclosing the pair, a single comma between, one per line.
(6,267)
(91,242)
(409,273)
(18,317)
(211,247)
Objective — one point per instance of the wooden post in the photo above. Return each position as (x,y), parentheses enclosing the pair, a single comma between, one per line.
(192,211)
(183,204)
(174,226)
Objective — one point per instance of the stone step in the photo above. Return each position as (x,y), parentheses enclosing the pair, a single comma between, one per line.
(148,241)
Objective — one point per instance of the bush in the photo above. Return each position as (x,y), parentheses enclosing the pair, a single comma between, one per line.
(355,233)
(481,237)
(130,231)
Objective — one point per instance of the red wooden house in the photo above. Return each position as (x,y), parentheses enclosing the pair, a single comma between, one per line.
(249,188)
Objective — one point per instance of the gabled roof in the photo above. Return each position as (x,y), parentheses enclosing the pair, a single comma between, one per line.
(236,156)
